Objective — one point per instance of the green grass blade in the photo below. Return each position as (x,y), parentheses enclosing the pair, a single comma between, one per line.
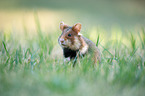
(97,43)
(5,48)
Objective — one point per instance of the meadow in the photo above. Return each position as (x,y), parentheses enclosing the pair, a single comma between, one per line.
(33,66)
(31,61)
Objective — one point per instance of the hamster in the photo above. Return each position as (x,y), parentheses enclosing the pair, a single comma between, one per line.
(74,44)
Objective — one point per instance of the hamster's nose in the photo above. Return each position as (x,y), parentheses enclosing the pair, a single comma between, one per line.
(61,40)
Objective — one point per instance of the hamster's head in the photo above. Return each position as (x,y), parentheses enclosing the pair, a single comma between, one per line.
(70,37)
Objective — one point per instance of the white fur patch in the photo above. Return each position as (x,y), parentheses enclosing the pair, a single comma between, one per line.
(84,49)
(79,34)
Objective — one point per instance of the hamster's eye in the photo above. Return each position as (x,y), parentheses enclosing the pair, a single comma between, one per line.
(69,35)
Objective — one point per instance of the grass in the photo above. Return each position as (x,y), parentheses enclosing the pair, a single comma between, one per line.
(30,68)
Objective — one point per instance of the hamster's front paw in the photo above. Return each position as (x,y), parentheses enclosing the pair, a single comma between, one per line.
(67,59)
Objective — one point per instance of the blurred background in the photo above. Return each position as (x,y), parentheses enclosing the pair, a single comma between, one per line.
(125,14)
(31,60)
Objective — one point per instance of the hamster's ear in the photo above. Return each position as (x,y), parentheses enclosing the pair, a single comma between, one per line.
(63,26)
(77,27)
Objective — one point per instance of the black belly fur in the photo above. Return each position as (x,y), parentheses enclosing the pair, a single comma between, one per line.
(69,53)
